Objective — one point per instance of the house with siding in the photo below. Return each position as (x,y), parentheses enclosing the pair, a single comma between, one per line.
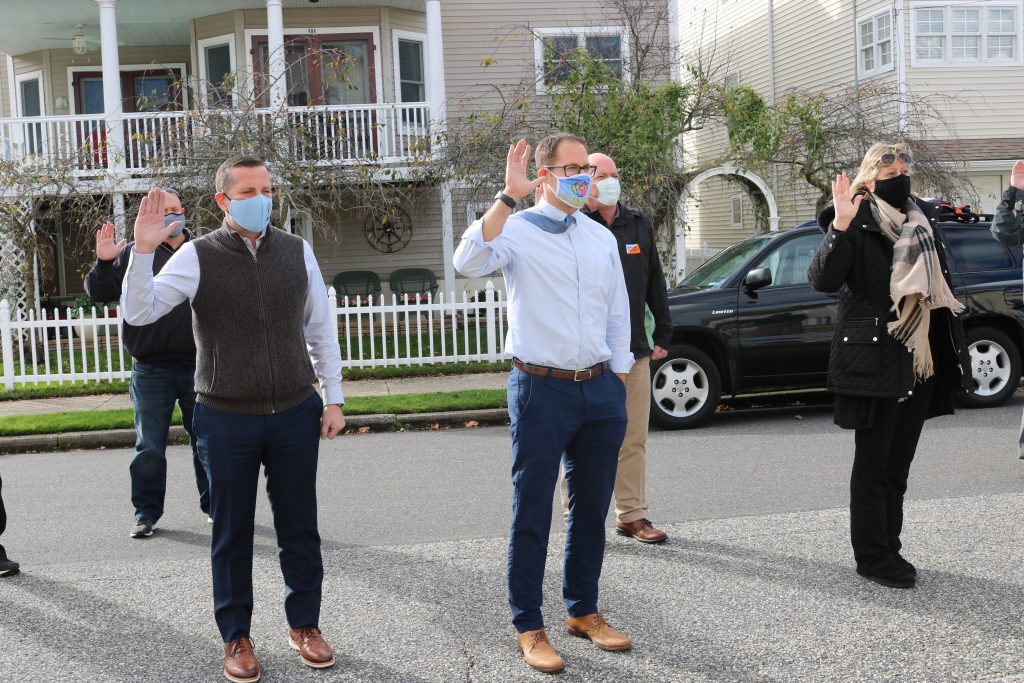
(972,49)
(75,73)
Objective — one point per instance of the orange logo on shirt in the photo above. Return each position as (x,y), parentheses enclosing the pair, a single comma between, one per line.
(632,248)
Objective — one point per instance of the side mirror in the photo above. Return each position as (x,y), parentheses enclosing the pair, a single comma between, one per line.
(758,278)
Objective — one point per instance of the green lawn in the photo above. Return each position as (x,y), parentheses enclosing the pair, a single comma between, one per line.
(93,420)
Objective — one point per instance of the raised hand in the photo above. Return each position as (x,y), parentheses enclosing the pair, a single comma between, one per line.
(518,185)
(846,205)
(1017,175)
(149,223)
(106,248)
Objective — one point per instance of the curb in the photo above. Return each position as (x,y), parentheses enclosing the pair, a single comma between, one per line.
(125,438)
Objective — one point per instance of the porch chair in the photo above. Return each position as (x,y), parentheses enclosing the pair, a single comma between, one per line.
(415,283)
(358,286)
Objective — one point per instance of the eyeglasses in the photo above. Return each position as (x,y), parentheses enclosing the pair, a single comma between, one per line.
(889,158)
(573,169)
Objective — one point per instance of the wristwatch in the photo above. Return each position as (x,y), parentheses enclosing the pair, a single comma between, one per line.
(505,199)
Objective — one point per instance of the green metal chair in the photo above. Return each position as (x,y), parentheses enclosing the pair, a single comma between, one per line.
(358,286)
(414,283)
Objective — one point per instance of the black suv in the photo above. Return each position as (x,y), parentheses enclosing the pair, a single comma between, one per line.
(748,322)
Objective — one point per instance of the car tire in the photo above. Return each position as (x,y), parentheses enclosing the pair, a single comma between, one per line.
(995,368)
(685,388)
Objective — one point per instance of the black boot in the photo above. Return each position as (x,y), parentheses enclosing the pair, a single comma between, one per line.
(888,573)
(903,562)
(7,567)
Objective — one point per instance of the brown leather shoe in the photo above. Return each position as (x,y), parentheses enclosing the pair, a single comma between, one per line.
(312,647)
(642,530)
(240,663)
(538,653)
(599,631)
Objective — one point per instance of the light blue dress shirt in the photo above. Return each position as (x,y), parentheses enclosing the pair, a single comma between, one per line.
(567,301)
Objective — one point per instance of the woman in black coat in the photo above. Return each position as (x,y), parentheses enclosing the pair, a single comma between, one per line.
(899,351)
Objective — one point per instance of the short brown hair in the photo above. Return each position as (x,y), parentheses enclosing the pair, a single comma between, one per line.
(222,181)
(547,148)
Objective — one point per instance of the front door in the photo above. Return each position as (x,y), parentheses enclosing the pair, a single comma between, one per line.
(785,329)
(30,101)
(321,70)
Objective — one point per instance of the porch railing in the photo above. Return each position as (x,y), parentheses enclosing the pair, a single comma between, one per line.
(81,346)
(346,134)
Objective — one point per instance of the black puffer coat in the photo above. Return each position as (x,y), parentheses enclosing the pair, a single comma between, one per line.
(865,359)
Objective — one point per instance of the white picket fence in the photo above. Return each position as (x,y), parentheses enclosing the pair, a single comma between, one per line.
(81,346)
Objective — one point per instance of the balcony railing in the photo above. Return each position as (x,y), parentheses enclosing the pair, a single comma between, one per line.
(392,134)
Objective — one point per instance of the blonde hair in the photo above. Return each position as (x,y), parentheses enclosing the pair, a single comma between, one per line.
(872,162)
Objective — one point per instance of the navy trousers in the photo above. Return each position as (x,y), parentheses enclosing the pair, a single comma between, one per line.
(585,421)
(233,447)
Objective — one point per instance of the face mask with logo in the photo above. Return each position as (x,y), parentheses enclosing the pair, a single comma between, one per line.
(252,214)
(893,191)
(573,190)
(172,217)
(610,191)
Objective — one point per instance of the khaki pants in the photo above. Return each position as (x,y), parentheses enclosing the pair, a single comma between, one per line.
(630,477)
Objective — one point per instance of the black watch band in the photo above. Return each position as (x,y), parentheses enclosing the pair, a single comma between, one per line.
(506,200)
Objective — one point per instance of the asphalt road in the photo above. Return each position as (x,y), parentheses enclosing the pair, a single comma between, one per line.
(756,584)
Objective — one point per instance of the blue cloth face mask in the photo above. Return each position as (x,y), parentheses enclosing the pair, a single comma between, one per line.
(574,190)
(252,214)
(170,218)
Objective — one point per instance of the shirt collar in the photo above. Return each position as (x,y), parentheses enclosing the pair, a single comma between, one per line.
(554,213)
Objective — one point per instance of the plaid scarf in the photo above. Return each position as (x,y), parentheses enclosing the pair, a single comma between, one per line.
(916,284)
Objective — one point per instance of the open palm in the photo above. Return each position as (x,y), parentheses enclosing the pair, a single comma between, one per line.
(517,180)
(106,248)
(150,230)
(1017,175)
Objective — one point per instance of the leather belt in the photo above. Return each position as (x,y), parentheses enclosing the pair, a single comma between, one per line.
(575,375)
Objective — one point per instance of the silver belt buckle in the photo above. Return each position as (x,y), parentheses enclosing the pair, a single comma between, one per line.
(576,374)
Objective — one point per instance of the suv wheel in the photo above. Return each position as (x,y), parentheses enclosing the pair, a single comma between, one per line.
(685,388)
(995,368)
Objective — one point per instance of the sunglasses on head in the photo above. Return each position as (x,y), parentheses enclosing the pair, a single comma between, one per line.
(889,158)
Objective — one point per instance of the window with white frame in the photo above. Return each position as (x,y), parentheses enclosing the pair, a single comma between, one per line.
(217,70)
(874,44)
(553,47)
(966,33)
(737,210)
(410,60)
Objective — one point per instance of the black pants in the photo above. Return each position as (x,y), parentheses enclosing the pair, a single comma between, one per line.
(881,466)
(3,517)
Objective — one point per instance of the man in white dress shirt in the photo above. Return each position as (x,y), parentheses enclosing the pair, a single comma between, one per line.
(263,333)
(569,337)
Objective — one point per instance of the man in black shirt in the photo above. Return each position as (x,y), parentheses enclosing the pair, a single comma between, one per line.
(163,371)
(645,284)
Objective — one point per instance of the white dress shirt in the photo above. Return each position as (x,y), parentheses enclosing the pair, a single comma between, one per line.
(567,301)
(145,299)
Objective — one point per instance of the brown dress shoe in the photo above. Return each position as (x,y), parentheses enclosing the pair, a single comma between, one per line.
(642,530)
(538,653)
(599,631)
(312,647)
(240,664)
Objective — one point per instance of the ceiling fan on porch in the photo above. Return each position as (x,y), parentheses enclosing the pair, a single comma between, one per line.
(80,43)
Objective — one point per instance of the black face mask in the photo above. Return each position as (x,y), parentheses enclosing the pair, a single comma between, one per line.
(894,191)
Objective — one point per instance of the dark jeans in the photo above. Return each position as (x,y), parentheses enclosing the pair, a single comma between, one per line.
(154,391)
(587,422)
(3,517)
(881,466)
(233,447)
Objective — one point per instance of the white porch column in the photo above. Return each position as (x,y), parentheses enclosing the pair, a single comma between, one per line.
(112,89)
(435,68)
(275,49)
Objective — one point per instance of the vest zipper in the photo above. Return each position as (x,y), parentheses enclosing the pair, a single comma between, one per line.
(266,337)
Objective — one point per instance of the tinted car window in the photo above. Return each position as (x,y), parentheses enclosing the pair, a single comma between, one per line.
(724,264)
(790,261)
(974,250)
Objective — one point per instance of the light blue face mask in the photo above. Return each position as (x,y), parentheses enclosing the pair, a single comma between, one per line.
(574,190)
(252,214)
(170,218)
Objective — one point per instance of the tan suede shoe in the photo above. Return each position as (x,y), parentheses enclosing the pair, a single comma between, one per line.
(599,631)
(312,647)
(240,663)
(538,653)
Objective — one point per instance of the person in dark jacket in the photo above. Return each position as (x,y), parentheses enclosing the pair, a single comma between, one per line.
(1008,228)
(163,371)
(899,351)
(645,284)
(8,567)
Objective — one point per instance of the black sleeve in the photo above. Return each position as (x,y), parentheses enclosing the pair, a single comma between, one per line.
(657,293)
(103,281)
(832,261)
(1008,224)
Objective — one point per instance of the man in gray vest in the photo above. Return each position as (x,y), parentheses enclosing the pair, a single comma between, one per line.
(263,332)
